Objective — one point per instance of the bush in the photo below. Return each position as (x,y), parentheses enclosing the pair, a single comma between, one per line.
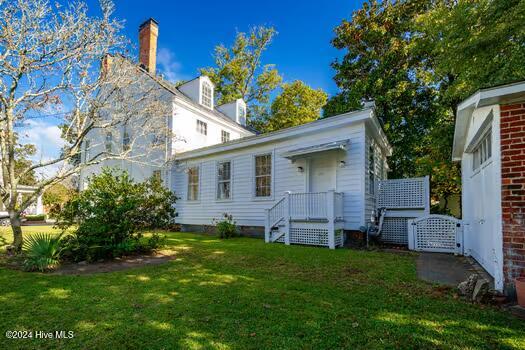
(40,217)
(42,251)
(226,227)
(109,215)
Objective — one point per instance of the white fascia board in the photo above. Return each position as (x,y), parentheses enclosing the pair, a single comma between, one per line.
(185,104)
(481,98)
(313,127)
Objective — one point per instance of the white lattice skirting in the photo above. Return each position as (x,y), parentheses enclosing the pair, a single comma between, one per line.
(312,236)
(395,231)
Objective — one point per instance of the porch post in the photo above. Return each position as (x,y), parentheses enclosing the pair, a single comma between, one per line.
(331,219)
(287,218)
(267,225)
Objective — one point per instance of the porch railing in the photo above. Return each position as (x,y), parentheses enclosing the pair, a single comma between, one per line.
(325,207)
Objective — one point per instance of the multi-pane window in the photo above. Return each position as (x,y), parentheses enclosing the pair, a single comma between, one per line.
(224,180)
(206,98)
(483,151)
(371,170)
(225,136)
(126,141)
(109,142)
(242,114)
(263,175)
(193,184)
(202,127)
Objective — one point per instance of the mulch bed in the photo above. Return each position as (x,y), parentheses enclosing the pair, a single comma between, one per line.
(118,264)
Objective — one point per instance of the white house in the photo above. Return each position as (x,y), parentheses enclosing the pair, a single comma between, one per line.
(194,120)
(489,141)
(304,184)
(321,175)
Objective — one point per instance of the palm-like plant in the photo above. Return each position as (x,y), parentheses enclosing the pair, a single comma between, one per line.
(42,251)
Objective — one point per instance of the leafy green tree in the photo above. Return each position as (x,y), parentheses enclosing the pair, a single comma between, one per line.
(297,104)
(471,45)
(240,73)
(383,62)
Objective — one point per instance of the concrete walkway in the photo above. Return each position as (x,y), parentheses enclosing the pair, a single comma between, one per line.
(444,269)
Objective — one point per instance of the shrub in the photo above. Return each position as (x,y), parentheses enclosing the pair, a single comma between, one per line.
(40,217)
(226,227)
(42,251)
(109,215)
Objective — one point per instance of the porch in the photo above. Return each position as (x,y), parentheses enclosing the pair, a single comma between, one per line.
(313,218)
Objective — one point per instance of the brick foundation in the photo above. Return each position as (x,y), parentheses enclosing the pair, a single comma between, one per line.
(512,133)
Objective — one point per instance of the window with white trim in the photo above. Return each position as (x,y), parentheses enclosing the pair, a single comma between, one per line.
(193,184)
(224,180)
(225,136)
(109,142)
(157,175)
(483,151)
(263,175)
(371,170)
(202,127)
(206,98)
(126,140)
(241,111)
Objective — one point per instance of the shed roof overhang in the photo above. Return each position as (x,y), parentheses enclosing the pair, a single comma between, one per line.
(504,94)
(310,150)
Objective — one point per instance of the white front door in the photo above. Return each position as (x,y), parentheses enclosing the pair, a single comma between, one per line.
(322,173)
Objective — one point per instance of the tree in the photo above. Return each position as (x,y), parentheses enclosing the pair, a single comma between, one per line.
(239,72)
(383,62)
(297,104)
(471,45)
(59,58)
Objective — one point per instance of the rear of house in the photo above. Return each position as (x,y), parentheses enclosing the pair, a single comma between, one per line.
(339,157)
(489,141)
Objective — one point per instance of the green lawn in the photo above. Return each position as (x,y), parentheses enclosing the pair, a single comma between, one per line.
(243,293)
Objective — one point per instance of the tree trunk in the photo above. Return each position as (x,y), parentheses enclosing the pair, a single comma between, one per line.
(16,227)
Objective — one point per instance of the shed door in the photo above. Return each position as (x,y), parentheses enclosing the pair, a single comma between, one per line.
(322,172)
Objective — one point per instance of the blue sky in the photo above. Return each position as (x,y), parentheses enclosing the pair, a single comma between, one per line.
(189,30)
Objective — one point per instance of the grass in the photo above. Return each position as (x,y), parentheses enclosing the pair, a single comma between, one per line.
(245,294)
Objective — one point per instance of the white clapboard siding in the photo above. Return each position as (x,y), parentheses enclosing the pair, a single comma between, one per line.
(248,210)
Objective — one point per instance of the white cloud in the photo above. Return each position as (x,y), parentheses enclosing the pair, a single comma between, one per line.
(46,137)
(168,65)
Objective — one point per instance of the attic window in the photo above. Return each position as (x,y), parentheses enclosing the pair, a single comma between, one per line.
(206,98)
(242,114)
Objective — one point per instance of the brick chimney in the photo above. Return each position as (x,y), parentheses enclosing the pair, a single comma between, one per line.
(148,33)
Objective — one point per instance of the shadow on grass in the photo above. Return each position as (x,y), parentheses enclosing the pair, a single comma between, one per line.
(245,294)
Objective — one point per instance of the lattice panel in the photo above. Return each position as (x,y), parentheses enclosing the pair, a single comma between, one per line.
(395,230)
(309,236)
(436,234)
(402,193)
(339,240)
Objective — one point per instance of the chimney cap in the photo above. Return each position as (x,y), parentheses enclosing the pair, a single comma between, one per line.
(148,21)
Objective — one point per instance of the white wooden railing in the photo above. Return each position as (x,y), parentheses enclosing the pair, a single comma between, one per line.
(325,207)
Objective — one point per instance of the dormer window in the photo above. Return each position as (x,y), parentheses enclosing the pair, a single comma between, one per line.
(206,95)
(241,112)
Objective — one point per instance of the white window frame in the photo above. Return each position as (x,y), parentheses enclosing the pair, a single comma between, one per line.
(109,142)
(219,181)
(225,136)
(372,175)
(202,127)
(198,183)
(482,152)
(207,95)
(157,174)
(272,176)
(241,112)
